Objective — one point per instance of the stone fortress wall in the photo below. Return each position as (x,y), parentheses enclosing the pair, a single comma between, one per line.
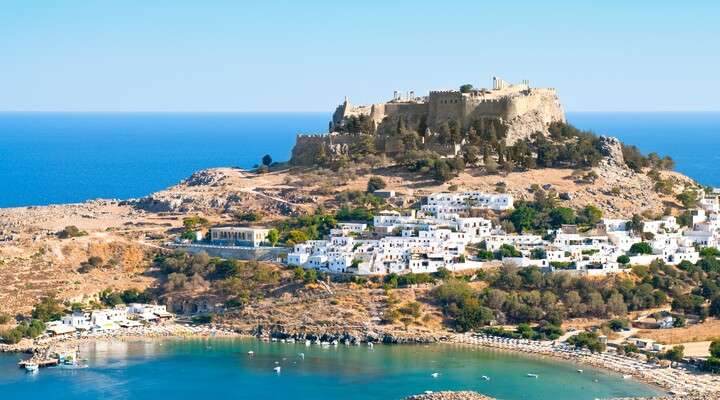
(521,109)
(513,104)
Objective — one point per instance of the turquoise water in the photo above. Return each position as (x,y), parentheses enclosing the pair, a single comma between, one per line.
(222,369)
(70,157)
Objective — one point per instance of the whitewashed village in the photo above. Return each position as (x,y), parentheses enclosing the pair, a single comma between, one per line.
(441,235)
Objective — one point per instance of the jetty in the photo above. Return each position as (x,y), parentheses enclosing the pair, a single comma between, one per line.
(40,362)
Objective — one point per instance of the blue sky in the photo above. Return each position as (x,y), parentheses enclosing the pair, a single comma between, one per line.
(178,55)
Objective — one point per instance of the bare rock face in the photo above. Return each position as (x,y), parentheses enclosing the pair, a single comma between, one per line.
(611,148)
(525,125)
(207,177)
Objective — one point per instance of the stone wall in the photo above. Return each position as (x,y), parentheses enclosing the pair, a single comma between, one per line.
(519,109)
(234,252)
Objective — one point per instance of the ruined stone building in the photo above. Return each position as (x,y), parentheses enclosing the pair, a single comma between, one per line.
(519,109)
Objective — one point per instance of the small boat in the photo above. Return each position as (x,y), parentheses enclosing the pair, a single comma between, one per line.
(251,352)
(31,367)
(72,365)
(485,378)
(435,374)
(532,375)
(580,371)
(370,345)
(626,376)
(308,342)
(277,369)
(302,355)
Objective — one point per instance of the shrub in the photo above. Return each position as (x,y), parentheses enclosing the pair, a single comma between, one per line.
(202,319)
(623,259)
(70,231)
(375,183)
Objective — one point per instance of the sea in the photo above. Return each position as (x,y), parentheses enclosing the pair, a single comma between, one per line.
(223,369)
(48,158)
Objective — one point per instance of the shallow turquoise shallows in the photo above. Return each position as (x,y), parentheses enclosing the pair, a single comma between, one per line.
(223,369)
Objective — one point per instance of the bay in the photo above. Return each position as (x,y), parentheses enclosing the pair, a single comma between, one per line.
(223,369)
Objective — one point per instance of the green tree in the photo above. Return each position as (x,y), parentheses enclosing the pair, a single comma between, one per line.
(714,309)
(523,218)
(561,216)
(49,309)
(715,348)
(311,276)
(588,340)
(675,354)
(267,160)
(623,259)
(466,88)
(688,198)
(296,236)
(640,248)
(273,237)
(590,215)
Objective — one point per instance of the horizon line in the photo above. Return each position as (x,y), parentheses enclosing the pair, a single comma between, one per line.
(295,111)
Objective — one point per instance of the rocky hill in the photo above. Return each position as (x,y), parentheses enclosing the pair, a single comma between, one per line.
(34,261)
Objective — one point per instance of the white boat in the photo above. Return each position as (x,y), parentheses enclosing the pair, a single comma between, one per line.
(302,355)
(31,367)
(627,376)
(580,371)
(308,342)
(532,375)
(251,352)
(73,365)
(435,374)
(277,369)
(485,378)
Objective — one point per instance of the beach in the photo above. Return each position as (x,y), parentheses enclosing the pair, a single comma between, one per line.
(675,380)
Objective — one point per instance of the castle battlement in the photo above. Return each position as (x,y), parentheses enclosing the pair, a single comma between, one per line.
(503,102)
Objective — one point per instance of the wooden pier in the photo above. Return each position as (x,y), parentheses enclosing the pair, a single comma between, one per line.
(42,363)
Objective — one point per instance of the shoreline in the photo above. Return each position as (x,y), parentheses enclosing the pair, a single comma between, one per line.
(673,381)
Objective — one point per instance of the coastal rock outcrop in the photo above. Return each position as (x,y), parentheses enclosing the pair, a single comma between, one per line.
(611,149)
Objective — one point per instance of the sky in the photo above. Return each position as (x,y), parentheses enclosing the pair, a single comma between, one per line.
(213,55)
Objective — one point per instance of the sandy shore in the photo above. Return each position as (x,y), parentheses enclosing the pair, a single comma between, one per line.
(674,380)
(167,330)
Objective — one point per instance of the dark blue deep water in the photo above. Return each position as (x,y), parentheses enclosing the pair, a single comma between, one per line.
(70,157)
(222,369)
